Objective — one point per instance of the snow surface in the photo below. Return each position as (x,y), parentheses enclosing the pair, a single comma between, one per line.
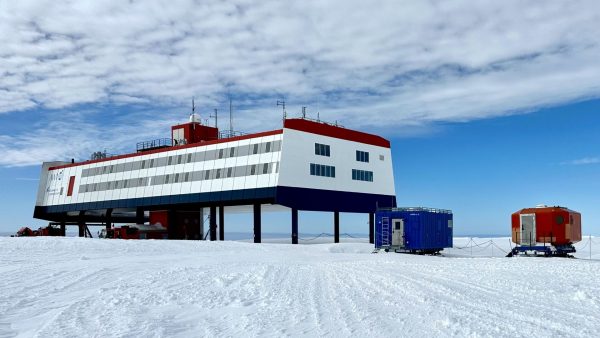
(76,287)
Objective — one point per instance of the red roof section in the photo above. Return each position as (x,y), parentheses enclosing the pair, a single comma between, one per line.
(161,150)
(336,132)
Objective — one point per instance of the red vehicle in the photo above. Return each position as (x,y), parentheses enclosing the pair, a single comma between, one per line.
(548,230)
(137,231)
(47,231)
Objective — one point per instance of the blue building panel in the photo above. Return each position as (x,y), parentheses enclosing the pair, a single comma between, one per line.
(413,229)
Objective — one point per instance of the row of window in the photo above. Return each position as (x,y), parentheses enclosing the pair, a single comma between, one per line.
(362,156)
(322,170)
(362,175)
(201,175)
(325,150)
(200,156)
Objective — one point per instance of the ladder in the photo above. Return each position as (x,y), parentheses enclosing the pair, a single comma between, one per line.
(385,231)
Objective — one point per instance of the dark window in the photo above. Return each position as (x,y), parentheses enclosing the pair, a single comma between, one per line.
(152,163)
(255,149)
(179,159)
(187,177)
(265,168)
(322,149)
(218,173)
(362,156)
(362,175)
(268,147)
(232,152)
(220,153)
(207,174)
(167,179)
(189,158)
(229,170)
(253,170)
(176,178)
(322,170)
(170,160)
(144,164)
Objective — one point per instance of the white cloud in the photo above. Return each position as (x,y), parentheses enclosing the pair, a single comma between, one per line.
(584,161)
(400,64)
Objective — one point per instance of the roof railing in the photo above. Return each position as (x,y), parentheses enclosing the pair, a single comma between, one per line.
(154,144)
(434,210)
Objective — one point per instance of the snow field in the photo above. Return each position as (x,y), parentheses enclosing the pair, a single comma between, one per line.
(75,287)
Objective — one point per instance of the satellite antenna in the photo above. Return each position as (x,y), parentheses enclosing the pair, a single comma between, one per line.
(282,104)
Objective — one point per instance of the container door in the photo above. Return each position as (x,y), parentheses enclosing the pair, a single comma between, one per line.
(528,229)
(398,232)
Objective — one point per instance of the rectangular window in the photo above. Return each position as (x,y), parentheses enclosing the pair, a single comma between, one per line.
(187,177)
(189,158)
(144,164)
(232,152)
(268,147)
(322,149)
(151,163)
(220,153)
(362,175)
(229,171)
(179,159)
(362,156)
(322,170)
(253,170)
(265,168)
(167,179)
(207,175)
(176,178)
(255,149)
(218,173)
(170,160)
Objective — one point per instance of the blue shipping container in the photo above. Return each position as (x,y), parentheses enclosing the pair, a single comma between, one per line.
(413,229)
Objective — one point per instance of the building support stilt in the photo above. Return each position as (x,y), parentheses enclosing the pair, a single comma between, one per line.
(336,226)
(257,224)
(63,229)
(108,224)
(139,216)
(371,228)
(213,223)
(221,223)
(294,226)
(81,224)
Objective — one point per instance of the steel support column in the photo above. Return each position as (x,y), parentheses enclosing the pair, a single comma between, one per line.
(294,226)
(213,223)
(108,219)
(81,224)
(371,227)
(336,226)
(139,216)
(221,223)
(257,225)
(63,229)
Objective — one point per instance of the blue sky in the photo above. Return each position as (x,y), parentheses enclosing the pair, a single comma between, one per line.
(490,106)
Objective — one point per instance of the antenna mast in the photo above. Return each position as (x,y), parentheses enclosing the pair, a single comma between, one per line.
(282,104)
(230,119)
(303,112)
(216,117)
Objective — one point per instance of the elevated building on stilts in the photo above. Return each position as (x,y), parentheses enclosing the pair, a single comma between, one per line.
(307,165)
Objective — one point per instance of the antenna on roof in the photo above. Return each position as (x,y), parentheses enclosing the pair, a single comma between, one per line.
(230,118)
(303,112)
(282,104)
(216,117)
